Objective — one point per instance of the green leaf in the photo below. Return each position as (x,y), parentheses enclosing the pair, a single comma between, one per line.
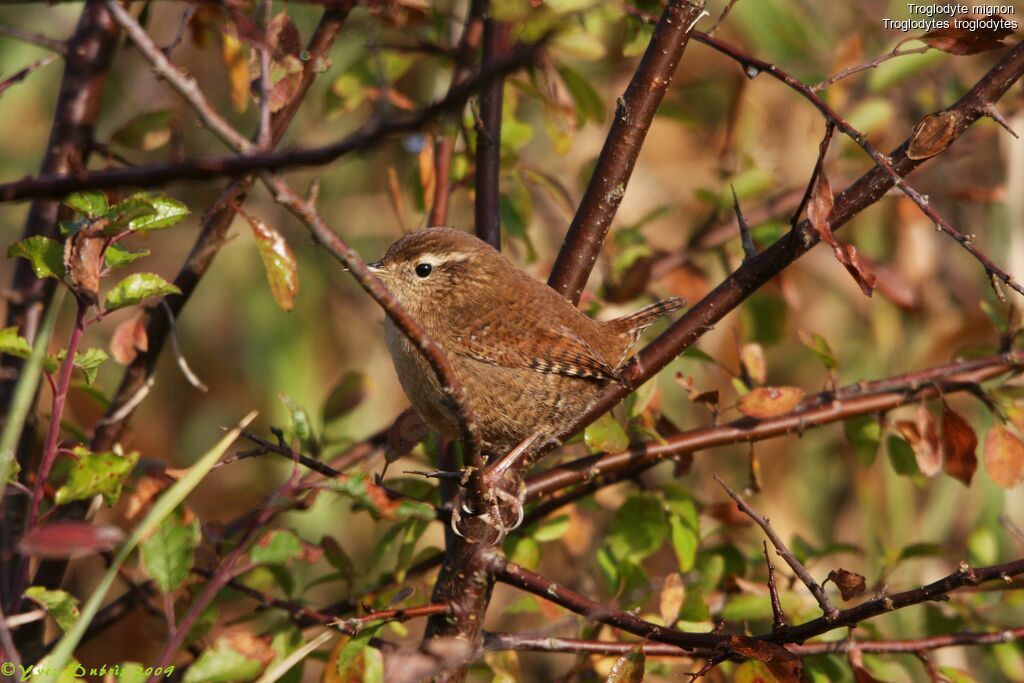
(351,663)
(62,606)
(169,553)
(137,287)
(145,132)
(171,498)
(605,434)
(515,214)
(301,425)
(629,668)
(954,675)
(276,547)
(338,558)
(278,262)
(385,544)
(46,255)
(638,528)
(96,474)
(13,344)
(551,529)
(524,551)
(589,106)
(901,455)
(527,604)
(695,607)
(284,643)
(222,664)
(865,434)
(91,203)
(166,212)
(117,256)
(816,343)
(89,362)
(685,541)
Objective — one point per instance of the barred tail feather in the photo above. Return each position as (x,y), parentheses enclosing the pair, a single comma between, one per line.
(646,316)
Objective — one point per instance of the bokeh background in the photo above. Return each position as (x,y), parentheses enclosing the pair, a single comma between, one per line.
(718,127)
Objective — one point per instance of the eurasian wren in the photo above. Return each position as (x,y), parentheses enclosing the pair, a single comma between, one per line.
(528,359)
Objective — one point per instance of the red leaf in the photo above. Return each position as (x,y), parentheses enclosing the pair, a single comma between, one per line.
(959,443)
(783,664)
(67,540)
(819,208)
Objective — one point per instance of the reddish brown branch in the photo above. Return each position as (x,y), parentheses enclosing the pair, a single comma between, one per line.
(863,398)
(633,117)
(531,582)
(755,272)
(554,644)
(488,139)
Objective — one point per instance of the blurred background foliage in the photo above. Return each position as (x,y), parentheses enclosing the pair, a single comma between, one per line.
(837,502)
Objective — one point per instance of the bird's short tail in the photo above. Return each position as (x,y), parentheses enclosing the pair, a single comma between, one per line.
(636,322)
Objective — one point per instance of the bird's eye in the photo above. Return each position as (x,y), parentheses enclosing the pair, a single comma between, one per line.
(423,269)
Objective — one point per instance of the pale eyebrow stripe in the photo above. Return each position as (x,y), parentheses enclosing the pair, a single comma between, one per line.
(447,257)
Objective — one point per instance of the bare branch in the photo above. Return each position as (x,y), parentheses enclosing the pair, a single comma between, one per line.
(780,547)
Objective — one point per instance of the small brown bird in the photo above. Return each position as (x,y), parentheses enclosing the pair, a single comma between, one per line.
(527,358)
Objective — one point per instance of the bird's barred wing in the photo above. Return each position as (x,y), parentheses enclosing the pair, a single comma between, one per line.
(518,343)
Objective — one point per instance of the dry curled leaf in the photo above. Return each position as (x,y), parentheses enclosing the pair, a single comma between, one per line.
(782,663)
(850,584)
(752,359)
(959,443)
(819,208)
(969,34)
(933,134)
(770,401)
(673,592)
(923,438)
(1004,457)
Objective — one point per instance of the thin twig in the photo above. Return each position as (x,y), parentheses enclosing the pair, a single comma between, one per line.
(21,75)
(778,616)
(37,39)
(784,552)
(849,71)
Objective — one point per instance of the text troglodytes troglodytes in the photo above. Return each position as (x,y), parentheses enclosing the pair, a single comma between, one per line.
(528,359)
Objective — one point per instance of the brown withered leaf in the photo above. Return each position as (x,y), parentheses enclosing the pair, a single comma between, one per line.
(850,584)
(284,91)
(673,592)
(752,359)
(250,645)
(770,401)
(139,500)
(959,443)
(923,438)
(933,134)
(1004,457)
(782,663)
(128,339)
(687,281)
(283,37)
(403,435)
(962,40)
(83,260)
(819,208)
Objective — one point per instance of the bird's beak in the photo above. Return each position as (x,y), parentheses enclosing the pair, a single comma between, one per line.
(376,268)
